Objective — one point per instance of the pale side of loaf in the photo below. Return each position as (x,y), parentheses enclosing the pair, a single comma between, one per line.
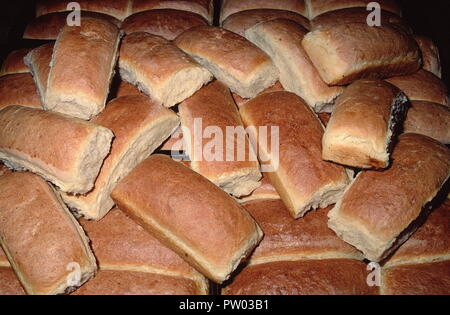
(281,40)
(317,7)
(430,55)
(116,8)
(38,61)
(264,192)
(140,126)
(303,180)
(230,7)
(14,62)
(232,59)
(19,89)
(364,125)
(423,86)
(167,23)
(188,214)
(214,105)
(380,210)
(429,119)
(239,22)
(66,151)
(347,52)
(42,240)
(82,68)
(47,27)
(205,8)
(160,69)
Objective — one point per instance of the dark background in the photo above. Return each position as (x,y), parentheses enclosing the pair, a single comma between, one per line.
(430,18)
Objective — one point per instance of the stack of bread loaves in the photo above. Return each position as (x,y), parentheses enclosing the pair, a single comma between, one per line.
(274,112)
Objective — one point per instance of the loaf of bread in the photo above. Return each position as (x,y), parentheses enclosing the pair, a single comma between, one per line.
(357,15)
(430,55)
(140,126)
(281,40)
(47,27)
(116,8)
(231,164)
(38,61)
(143,55)
(230,7)
(303,180)
(380,210)
(205,8)
(429,119)
(232,59)
(123,88)
(365,123)
(43,242)
(66,151)
(264,192)
(167,23)
(188,214)
(79,78)
(304,277)
(9,284)
(19,89)
(121,244)
(347,52)
(422,86)
(239,22)
(317,7)
(14,62)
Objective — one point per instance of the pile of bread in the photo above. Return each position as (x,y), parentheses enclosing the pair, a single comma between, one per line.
(91,203)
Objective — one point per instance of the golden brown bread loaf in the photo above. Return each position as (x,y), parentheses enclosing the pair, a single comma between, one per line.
(303,180)
(167,23)
(422,86)
(140,125)
(364,125)
(38,62)
(117,8)
(64,150)
(79,79)
(41,239)
(281,40)
(143,55)
(14,62)
(429,119)
(188,214)
(348,52)
(380,210)
(430,55)
(239,22)
(232,165)
(232,59)
(230,7)
(317,7)
(47,27)
(19,89)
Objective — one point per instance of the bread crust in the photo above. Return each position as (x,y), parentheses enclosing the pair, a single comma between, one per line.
(19,89)
(430,55)
(14,62)
(317,7)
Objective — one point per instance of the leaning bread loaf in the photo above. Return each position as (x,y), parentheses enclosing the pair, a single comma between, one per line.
(232,59)
(140,126)
(227,166)
(19,89)
(143,55)
(303,180)
(66,151)
(167,23)
(348,52)
(364,125)
(41,239)
(281,40)
(14,62)
(38,61)
(79,79)
(380,210)
(430,55)
(189,214)
(317,7)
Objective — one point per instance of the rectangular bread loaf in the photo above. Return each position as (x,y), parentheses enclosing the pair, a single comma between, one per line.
(19,89)
(380,210)
(38,61)
(44,243)
(140,126)
(188,214)
(82,67)
(66,151)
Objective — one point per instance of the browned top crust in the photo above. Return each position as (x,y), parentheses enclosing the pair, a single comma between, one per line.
(317,7)
(14,62)
(430,55)
(9,284)
(19,89)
